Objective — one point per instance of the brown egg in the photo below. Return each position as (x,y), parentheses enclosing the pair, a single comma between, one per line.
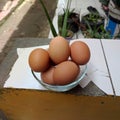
(59,49)
(65,73)
(80,52)
(39,60)
(47,76)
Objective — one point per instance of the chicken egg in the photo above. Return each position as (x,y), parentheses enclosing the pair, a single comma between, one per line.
(65,73)
(47,76)
(59,49)
(80,52)
(39,60)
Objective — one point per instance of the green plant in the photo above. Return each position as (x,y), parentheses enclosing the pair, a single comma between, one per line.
(96,32)
(94,24)
(49,19)
(93,17)
(60,21)
(64,27)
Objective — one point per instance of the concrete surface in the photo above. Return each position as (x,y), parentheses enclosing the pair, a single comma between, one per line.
(26,23)
(6,7)
(28,20)
(91,89)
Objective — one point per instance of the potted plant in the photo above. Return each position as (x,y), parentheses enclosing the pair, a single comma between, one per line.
(94,32)
(73,21)
(49,19)
(65,21)
(94,20)
(94,24)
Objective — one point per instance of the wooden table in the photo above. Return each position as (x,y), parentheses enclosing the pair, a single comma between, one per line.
(102,68)
(19,104)
(79,103)
(10,59)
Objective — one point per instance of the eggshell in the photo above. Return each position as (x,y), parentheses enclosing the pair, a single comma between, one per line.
(39,60)
(47,76)
(59,49)
(80,52)
(65,72)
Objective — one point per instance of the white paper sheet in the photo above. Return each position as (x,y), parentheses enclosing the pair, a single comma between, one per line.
(21,76)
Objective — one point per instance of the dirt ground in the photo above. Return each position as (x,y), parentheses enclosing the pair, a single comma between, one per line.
(34,24)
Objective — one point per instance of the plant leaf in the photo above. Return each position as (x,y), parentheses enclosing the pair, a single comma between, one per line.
(49,19)
(64,28)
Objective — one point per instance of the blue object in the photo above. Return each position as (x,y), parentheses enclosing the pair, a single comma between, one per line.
(111,27)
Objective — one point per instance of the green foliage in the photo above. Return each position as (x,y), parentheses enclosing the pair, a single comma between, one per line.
(93,17)
(60,21)
(96,32)
(95,27)
(49,19)
(64,27)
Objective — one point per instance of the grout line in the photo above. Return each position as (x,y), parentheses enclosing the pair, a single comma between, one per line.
(108,68)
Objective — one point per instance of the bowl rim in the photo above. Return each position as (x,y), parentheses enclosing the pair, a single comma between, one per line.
(57,87)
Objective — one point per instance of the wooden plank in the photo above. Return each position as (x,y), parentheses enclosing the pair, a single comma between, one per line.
(19,104)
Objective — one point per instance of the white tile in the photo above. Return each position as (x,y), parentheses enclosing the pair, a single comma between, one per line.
(112,52)
(97,70)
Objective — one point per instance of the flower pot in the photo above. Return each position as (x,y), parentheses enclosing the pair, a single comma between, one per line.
(73,22)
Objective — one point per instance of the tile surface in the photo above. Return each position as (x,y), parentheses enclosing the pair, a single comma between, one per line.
(112,48)
(97,70)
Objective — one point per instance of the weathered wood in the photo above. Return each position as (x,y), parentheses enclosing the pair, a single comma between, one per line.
(20,104)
